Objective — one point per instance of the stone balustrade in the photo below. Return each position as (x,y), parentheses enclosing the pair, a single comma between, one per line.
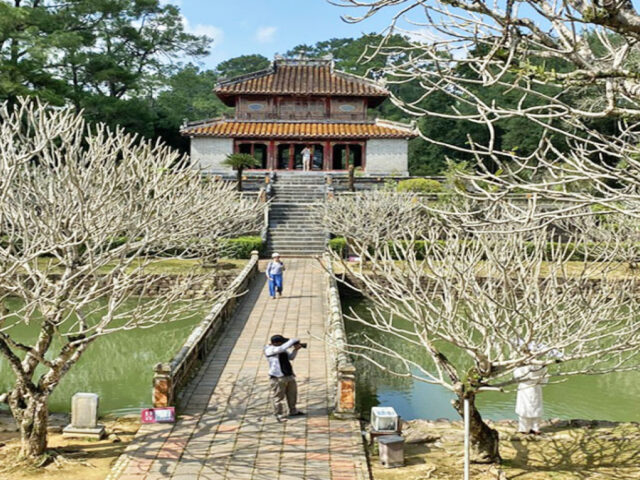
(345,370)
(170,377)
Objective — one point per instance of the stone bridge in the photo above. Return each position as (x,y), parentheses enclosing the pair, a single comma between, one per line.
(226,429)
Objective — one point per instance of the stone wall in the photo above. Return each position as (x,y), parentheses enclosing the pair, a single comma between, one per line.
(170,377)
(209,153)
(345,372)
(387,157)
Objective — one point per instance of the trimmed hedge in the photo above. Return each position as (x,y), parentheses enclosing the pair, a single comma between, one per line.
(339,245)
(420,185)
(241,247)
(236,248)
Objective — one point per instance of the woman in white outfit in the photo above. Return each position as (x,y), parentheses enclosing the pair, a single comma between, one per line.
(529,401)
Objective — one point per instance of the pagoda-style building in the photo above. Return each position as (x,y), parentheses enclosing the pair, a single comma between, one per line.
(297,103)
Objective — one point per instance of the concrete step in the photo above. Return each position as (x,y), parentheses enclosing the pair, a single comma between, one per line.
(301,214)
(275,205)
(296,251)
(294,241)
(296,229)
(299,179)
(294,238)
(295,224)
(302,196)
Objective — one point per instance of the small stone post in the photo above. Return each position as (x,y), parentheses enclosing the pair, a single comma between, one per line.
(162,385)
(346,394)
(84,417)
(330,193)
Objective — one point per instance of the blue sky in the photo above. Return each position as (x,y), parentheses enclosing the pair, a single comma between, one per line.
(267,27)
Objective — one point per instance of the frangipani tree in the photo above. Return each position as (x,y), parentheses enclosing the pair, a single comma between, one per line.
(83,211)
(498,300)
(566,71)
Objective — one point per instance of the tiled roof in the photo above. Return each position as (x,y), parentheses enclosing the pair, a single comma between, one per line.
(301,77)
(294,130)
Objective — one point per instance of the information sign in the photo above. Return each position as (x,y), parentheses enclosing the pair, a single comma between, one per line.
(159,415)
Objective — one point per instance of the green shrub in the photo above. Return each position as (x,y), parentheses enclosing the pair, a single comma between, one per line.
(241,247)
(338,245)
(419,185)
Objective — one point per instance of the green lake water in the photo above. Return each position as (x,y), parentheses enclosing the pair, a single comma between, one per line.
(613,397)
(118,367)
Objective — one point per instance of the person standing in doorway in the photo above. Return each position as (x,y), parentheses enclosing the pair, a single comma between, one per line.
(283,380)
(274,275)
(306,158)
(529,400)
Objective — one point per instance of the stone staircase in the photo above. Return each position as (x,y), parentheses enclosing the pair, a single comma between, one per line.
(294,216)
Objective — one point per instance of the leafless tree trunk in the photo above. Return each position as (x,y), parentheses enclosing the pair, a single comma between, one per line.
(84,212)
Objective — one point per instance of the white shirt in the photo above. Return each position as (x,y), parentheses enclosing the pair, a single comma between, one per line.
(529,399)
(272,352)
(274,268)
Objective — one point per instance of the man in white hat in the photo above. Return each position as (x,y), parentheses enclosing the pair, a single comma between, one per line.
(274,275)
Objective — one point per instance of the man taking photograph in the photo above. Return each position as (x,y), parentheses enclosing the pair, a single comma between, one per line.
(283,380)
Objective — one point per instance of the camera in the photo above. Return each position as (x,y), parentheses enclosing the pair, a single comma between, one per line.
(303,345)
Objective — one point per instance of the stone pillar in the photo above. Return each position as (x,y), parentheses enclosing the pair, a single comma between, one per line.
(162,385)
(346,394)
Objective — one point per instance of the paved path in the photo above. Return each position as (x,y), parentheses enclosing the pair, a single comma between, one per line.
(227,430)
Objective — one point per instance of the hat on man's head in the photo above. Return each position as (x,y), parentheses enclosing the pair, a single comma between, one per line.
(275,254)
(279,339)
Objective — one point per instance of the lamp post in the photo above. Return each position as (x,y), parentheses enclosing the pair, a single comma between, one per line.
(466,439)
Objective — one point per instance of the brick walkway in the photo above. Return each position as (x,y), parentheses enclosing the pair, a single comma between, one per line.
(226,429)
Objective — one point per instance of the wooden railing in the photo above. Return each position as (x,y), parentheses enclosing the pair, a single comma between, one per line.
(169,378)
(345,370)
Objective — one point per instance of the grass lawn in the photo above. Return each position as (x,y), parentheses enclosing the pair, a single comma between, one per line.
(619,271)
(172,266)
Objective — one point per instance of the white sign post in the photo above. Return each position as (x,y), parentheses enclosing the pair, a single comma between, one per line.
(466,439)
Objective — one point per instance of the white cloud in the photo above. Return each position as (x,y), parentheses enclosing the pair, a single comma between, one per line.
(211,31)
(266,34)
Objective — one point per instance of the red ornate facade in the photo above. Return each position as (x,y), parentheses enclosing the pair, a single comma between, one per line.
(293,104)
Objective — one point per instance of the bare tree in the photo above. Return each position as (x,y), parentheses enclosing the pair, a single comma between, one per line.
(561,67)
(479,305)
(84,211)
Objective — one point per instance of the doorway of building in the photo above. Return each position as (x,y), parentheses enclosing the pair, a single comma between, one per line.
(283,156)
(289,156)
(345,154)
(256,150)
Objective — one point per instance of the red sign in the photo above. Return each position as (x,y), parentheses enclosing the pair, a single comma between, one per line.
(158,415)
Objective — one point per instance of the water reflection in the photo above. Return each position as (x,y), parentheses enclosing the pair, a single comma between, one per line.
(118,367)
(613,397)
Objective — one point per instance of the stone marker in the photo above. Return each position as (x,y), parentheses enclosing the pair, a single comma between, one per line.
(84,417)
(391,451)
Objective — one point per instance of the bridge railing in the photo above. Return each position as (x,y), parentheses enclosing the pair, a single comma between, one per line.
(345,370)
(169,378)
